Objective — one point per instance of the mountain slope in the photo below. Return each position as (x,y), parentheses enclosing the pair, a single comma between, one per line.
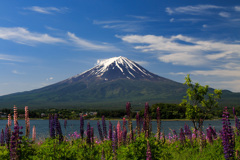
(111,83)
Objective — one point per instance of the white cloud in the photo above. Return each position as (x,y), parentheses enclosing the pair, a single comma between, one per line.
(47,10)
(5,57)
(184,50)
(87,45)
(49,79)
(237,8)
(224,14)
(17,72)
(23,36)
(192,10)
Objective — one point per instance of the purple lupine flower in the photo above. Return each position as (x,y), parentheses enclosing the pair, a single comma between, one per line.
(146,120)
(114,142)
(15,141)
(227,136)
(103,155)
(188,133)
(58,128)
(213,132)
(158,124)
(88,133)
(65,124)
(81,126)
(175,137)
(138,123)
(124,135)
(182,136)
(209,135)
(7,135)
(52,126)
(92,135)
(110,131)
(148,154)
(237,125)
(2,138)
(100,131)
(104,127)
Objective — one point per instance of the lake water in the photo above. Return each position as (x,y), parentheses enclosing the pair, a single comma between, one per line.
(42,128)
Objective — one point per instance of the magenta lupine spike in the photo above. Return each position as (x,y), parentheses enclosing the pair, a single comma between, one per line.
(104,127)
(81,126)
(7,134)
(175,137)
(124,135)
(100,131)
(9,120)
(15,115)
(209,135)
(114,142)
(148,154)
(34,133)
(88,133)
(2,142)
(182,136)
(27,121)
(158,124)
(227,136)
(138,123)
(92,135)
(146,120)
(119,133)
(65,124)
(110,131)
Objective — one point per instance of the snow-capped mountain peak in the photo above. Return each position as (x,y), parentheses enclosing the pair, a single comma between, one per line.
(115,68)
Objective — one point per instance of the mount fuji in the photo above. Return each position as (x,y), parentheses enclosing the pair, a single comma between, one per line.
(110,84)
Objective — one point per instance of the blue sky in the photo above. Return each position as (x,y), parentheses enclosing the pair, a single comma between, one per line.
(44,42)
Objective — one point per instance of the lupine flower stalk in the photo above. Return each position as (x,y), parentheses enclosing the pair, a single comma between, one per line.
(182,136)
(158,124)
(34,133)
(2,142)
(81,126)
(7,136)
(104,127)
(58,128)
(129,114)
(9,120)
(27,121)
(15,115)
(15,141)
(227,136)
(119,133)
(92,135)
(138,123)
(65,124)
(114,143)
(100,131)
(148,154)
(110,131)
(209,135)
(188,133)
(237,124)
(52,126)
(88,133)
(124,135)
(146,120)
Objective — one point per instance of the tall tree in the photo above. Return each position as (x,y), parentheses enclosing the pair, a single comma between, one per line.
(199,102)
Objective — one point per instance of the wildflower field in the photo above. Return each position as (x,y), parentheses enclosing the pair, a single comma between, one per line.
(122,142)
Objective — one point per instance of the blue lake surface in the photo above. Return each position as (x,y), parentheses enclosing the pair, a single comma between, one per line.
(42,126)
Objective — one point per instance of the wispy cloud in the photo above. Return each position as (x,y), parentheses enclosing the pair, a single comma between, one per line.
(193,10)
(23,36)
(184,50)
(17,72)
(133,23)
(47,10)
(87,45)
(6,57)
(224,14)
